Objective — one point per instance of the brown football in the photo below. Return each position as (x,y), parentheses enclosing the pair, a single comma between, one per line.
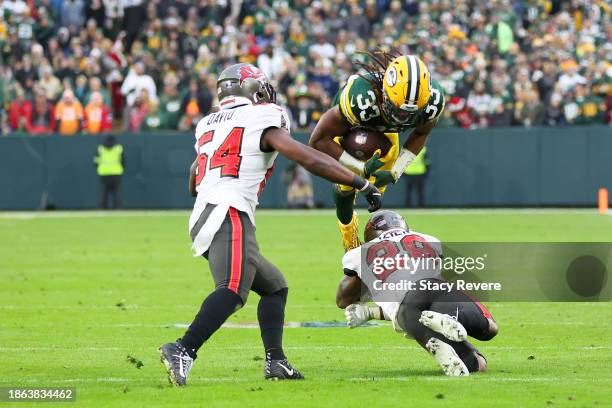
(361,143)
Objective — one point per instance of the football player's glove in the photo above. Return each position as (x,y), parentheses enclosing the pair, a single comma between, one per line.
(372,196)
(384,177)
(356,315)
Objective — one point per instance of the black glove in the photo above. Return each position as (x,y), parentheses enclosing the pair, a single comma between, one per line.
(372,195)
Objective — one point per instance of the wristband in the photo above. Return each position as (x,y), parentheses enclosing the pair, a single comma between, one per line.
(351,163)
(366,185)
(373,313)
(359,183)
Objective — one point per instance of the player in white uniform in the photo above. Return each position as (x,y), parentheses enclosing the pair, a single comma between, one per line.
(236,148)
(399,270)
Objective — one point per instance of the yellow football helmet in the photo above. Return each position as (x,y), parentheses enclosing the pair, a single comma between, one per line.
(406,90)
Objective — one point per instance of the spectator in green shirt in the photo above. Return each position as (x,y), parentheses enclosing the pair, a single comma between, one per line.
(591,108)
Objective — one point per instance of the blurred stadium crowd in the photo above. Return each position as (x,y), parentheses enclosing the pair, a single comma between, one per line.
(77,66)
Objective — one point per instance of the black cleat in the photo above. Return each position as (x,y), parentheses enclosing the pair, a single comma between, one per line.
(281,370)
(177,361)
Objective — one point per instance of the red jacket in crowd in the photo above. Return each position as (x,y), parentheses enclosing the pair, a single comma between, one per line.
(19,112)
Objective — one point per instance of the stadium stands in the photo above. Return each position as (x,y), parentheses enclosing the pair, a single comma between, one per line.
(145,65)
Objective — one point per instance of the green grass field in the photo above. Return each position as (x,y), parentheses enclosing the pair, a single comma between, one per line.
(82,291)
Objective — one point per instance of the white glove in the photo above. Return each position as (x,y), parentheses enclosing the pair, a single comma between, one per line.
(356,315)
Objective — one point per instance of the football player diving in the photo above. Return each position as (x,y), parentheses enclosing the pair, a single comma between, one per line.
(394,94)
(439,319)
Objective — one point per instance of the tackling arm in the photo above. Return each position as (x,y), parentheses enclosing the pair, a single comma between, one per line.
(319,164)
(348,297)
(349,291)
(330,125)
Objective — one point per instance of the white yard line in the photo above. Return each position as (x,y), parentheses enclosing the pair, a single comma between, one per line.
(408,346)
(125,380)
(479,378)
(230,325)
(242,347)
(28,215)
(496,305)
(130,307)
(195,380)
(253,325)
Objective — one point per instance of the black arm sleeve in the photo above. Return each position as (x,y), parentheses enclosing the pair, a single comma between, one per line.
(349,272)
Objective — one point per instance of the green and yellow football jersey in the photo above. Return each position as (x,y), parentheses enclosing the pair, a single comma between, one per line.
(360,104)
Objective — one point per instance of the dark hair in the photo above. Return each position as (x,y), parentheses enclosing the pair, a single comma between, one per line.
(376,64)
(110,140)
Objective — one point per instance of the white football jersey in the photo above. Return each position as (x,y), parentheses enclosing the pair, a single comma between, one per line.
(232,168)
(352,261)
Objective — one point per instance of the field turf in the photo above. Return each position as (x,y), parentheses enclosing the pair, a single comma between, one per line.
(81,292)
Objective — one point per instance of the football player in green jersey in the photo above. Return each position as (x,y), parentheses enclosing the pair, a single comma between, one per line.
(395,94)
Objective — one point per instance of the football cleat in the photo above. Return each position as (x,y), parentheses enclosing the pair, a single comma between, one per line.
(444,324)
(447,358)
(177,362)
(281,370)
(350,233)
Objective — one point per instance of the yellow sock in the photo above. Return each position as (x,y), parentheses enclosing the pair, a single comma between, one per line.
(350,233)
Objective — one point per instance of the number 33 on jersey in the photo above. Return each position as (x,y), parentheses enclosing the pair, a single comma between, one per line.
(360,105)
